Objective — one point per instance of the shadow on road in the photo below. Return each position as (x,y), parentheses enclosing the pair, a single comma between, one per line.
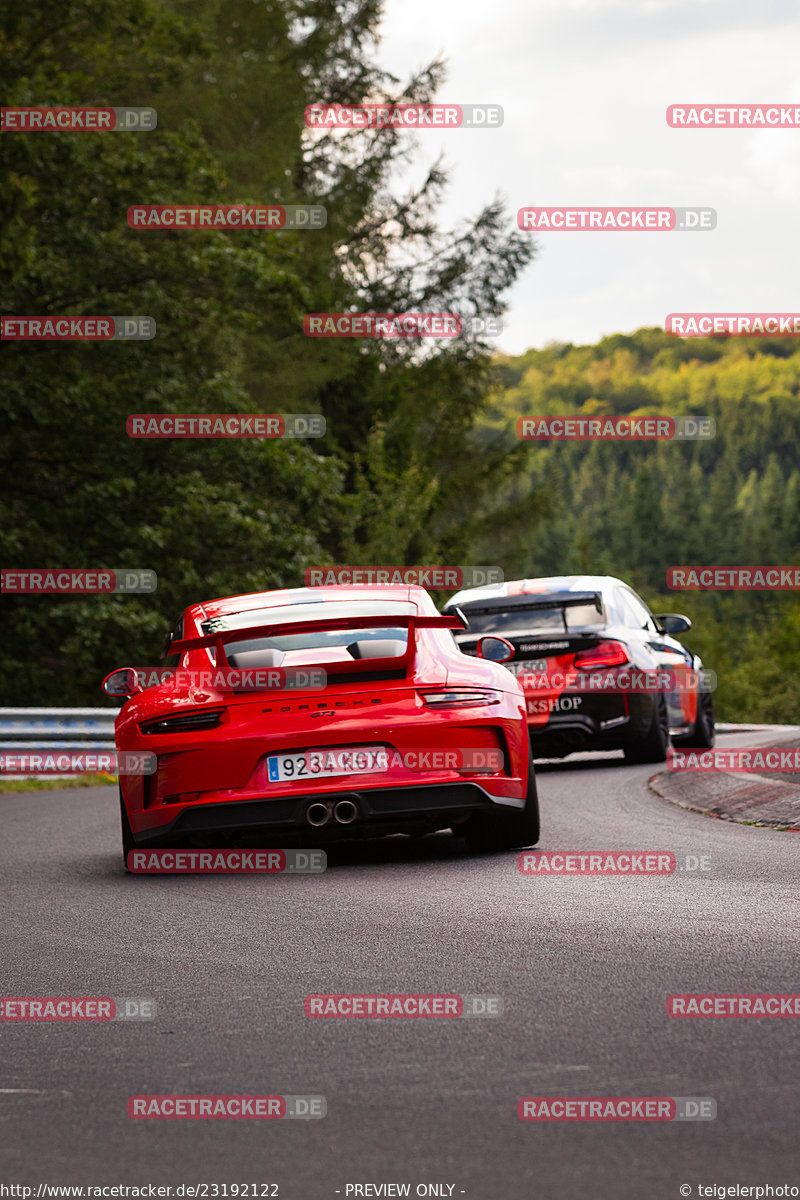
(595,763)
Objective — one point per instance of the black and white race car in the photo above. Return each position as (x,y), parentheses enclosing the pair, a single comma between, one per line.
(599,671)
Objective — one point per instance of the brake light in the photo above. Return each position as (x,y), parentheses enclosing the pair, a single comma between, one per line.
(607,654)
(460,697)
(189,722)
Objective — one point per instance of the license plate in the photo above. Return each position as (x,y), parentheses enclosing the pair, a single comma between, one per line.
(319,764)
(523,665)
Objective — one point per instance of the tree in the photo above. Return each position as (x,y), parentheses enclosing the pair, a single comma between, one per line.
(400,466)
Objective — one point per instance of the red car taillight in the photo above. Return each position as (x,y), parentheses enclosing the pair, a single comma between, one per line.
(188,722)
(460,697)
(607,654)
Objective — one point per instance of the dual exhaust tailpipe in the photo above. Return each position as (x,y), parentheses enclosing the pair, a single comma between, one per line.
(343,812)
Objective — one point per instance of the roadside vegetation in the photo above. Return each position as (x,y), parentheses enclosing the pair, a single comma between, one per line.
(420,463)
(634,509)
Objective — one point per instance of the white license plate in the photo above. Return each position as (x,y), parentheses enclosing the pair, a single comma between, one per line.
(524,665)
(319,764)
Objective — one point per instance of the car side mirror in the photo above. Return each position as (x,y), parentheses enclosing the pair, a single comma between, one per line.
(673,623)
(495,649)
(122,682)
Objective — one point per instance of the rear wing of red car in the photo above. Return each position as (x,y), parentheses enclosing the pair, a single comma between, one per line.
(219,639)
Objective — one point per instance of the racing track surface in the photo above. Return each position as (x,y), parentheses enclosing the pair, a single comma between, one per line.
(584,966)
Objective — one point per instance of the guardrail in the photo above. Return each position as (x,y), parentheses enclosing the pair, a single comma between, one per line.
(57,728)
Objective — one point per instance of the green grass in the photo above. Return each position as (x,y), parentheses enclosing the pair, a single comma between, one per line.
(47,785)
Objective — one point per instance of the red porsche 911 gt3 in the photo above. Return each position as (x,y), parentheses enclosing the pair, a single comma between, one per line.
(405,733)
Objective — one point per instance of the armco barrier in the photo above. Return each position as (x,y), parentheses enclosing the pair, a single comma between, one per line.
(57,728)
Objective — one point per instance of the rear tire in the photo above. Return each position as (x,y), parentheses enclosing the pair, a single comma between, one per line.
(703,734)
(506,830)
(652,748)
(128,843)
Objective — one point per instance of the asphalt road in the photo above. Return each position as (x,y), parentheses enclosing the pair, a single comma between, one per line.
(584,966)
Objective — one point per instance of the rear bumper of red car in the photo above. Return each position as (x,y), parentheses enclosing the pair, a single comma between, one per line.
(412,809)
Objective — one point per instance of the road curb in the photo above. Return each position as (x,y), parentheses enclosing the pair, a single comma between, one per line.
(745,798)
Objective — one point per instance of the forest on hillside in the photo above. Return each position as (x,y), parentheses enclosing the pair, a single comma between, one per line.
(634,508)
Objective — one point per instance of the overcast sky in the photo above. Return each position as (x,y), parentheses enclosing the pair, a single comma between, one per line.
(585,85)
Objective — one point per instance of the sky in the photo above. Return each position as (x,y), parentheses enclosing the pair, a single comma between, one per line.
(585,85)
